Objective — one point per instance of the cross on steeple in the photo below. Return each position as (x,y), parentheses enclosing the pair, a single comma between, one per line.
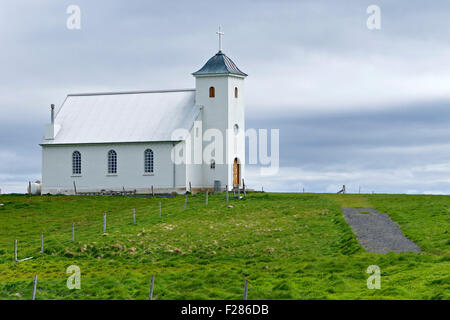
(220,34)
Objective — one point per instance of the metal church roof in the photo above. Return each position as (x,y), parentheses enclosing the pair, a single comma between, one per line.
(116,117)
(219,64)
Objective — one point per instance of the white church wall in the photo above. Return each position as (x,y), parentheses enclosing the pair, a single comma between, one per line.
(222,112)
(194,170)
(236,115)
(215,115)
(57,174)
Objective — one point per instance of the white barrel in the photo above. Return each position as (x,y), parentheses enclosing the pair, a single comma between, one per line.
(34,188)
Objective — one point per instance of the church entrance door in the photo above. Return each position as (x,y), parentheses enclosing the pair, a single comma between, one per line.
(236,172)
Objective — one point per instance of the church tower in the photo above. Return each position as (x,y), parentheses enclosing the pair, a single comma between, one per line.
(220,92)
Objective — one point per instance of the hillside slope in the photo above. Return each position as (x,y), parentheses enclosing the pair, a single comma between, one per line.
(293,246)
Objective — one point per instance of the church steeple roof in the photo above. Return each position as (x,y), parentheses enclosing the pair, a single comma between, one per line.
(219,64)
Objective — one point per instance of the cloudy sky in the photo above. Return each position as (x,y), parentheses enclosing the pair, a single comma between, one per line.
(366,108)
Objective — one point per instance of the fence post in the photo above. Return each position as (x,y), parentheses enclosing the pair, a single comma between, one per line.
(33,297)
(239,192)
(42,243)
(227,192)
(73,231)
(153,193)
(75,188)
(185,202)
(243,186)
(160,208)
(15,252)
(206,197)
(134,216)
(152,282)
(246,287)
(104,222)
(190,187)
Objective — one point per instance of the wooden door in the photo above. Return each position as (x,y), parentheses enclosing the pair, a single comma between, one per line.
(236,172)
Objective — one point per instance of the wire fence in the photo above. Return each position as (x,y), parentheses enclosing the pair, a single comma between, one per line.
(49,239)
(156,209)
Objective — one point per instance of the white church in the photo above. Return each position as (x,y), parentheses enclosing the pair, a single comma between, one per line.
(150,141)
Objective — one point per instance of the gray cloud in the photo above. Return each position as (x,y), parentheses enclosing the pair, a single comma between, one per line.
(398,149)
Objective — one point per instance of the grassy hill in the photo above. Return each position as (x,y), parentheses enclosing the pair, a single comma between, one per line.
(294,246)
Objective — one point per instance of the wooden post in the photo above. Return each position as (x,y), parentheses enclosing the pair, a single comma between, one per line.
(160,208)
(190,187)
(134,216)
(206,197)
(185,202)
(29,188)
(227,192)
(243,186)
(153,193)
(246,288)
(73,231)
(104,222)
(33,297)
(15,252)
(152,282)
(42,243)
(75,187)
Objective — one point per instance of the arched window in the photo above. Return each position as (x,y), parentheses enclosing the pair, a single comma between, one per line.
(212,92)
(148,161)
(213,164)
(235,92)
(112,162)
(76,162)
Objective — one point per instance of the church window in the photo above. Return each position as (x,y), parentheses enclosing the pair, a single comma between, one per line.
(112,162)
(212,92)
(148,161)
(235,92)
(213,164)
(76,162)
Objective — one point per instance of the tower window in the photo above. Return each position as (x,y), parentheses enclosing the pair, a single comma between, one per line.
(148,161)
(235,92)
(112,162)
(212,92)
(76,162)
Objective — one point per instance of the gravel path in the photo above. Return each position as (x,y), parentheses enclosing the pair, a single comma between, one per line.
(376,232)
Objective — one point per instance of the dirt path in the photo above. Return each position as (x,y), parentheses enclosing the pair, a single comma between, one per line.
(376,232)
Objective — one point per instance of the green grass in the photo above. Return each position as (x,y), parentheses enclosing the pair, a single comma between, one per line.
(294,246)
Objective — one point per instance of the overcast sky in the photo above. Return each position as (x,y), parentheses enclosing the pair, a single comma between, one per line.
(365,108)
